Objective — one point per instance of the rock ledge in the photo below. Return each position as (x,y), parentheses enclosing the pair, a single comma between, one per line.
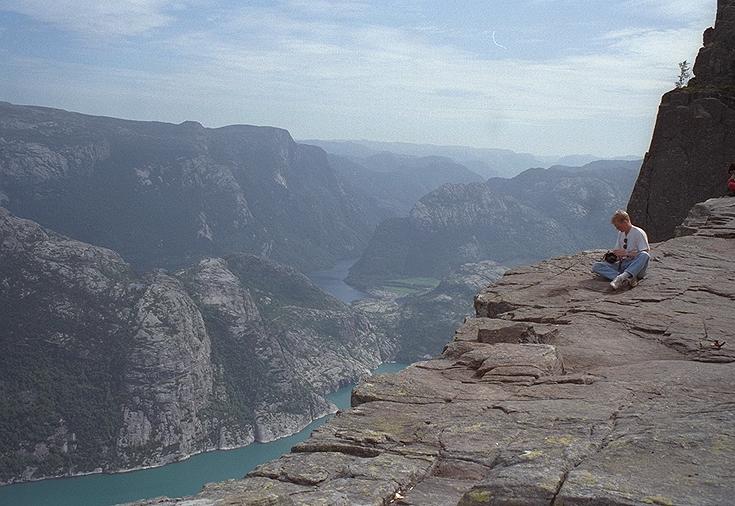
(560,392)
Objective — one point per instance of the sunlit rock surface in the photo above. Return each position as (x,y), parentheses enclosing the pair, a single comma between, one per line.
(560,392)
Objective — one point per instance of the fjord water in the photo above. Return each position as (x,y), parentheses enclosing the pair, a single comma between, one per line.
(332,282)
(173,480)
(186,477)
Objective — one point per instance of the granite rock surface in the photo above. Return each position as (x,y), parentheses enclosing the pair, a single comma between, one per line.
(561,391)
(104,369)
(694,138)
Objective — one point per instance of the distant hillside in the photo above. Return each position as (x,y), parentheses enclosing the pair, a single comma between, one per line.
(388,185)
(486,162)
(164,194)
(537,214)
(422,322)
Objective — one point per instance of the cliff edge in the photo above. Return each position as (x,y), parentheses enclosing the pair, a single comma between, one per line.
(558,392)
(694,138)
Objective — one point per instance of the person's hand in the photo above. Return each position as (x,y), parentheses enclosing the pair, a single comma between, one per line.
(620,253)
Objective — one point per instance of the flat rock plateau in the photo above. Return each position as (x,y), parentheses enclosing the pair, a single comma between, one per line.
(560,391)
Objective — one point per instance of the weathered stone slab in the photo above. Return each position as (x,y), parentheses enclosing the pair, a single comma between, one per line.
(640,411)
(492,331)
(520,359)
(436,491)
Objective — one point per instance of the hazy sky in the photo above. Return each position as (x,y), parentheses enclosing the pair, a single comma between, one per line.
(540,76)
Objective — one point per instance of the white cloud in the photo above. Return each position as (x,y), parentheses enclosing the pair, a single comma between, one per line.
(98,17)
(326,71)
(368,64)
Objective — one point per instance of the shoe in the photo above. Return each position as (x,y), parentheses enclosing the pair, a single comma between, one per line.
(620,281)
(633,282)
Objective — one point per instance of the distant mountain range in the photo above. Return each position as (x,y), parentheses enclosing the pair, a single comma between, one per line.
(165,195)
(388,185)
(537,214)
(486,162)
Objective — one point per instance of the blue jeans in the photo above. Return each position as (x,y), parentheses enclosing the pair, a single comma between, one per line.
(635,266)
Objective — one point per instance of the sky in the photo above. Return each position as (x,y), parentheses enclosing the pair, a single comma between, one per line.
(548,77)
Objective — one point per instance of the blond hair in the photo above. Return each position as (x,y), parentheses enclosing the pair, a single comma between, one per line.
(620,216)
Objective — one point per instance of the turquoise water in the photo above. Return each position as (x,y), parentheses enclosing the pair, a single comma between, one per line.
(173,480)
(187,477)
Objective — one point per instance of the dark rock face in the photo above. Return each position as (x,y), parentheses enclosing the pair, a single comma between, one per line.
(103,369)
(164,194)
(715,65)
(560,392)
(537,214)
(694,139)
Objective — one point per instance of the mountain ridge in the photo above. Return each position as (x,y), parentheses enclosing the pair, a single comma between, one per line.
(105,369)
(536,214)
(164,195)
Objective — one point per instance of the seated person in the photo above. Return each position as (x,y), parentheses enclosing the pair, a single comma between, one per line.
(731,180)
(632,252)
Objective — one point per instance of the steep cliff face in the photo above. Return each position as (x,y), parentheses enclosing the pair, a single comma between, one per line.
(537,214)
(694,139)
(103,369)
(559,392)
(163,194)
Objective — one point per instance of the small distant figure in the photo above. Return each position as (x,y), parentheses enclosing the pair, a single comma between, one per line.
(628,262)
(731,180)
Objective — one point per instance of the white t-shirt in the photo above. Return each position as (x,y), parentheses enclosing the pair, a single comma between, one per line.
(637,241)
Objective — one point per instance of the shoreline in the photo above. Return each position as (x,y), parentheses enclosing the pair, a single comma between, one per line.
(188,456)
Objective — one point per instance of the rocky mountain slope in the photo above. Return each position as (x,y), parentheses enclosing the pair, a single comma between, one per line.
(694,139)
(421,322)
(105,369)
(165,195)
(389,185)
(559,392)
(535,215)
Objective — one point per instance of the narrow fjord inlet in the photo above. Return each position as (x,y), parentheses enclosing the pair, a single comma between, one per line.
(367,253)
(172,480)
(186,477)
